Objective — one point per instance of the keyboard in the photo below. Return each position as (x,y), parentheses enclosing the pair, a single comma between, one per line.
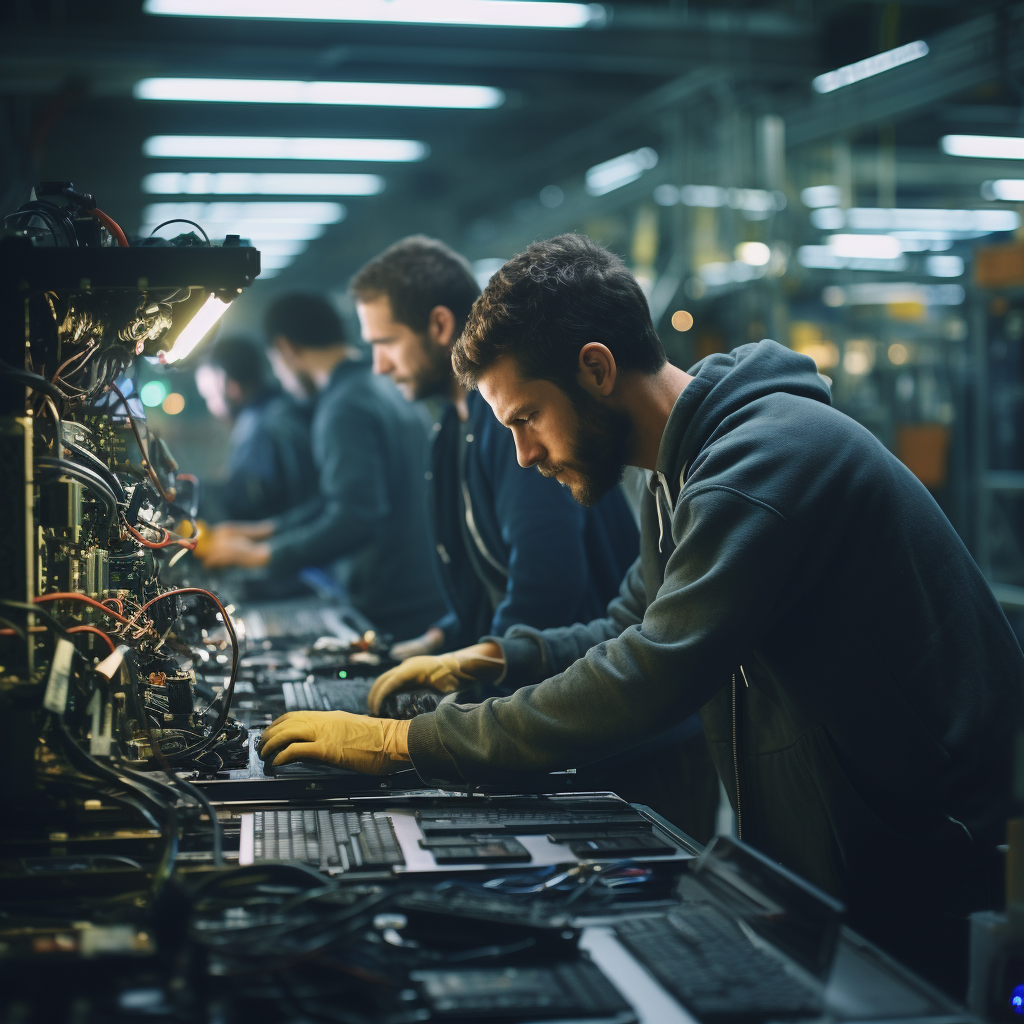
(705,960)
(327,694)
(298,620)
(342,840)
(513,821)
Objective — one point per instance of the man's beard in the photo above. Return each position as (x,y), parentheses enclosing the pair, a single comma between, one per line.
(434,378)
(600,450)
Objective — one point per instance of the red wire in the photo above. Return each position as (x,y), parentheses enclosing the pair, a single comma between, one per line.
(64,596)
(112,226)
(71,629)
(166,541)
(93,629)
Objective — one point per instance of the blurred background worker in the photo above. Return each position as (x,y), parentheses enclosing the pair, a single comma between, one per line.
(513,547)
(269,466)
(368,519)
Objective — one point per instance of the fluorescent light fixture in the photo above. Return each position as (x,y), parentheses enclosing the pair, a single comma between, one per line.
(824,257)
(718,275)
(229,213)
(944,266)
(755,203)
(357,94)
(254,147)
(275,261)
(884,293)
(757,254)
(869,247)
(195,330)
(279,247)
(820,195)
(231,183)
(987,147)
(833,80)
(708,196)
(880,219)
(666,195)
(489,13)
(619,171)
(1009,189)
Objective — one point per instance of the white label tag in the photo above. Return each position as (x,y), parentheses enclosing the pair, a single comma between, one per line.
(56,697)
(99,737)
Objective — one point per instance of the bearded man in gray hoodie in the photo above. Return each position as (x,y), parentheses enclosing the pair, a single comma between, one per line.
(858,683)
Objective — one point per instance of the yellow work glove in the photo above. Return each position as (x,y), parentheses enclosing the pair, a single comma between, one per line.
(370,745)
(445,673)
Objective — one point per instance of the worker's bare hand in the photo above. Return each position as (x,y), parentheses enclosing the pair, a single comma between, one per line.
(257,529)
(445,673)
(370,745)
(223,548)
(426,644)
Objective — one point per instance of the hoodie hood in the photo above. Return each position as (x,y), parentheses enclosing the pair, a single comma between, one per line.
(723,384)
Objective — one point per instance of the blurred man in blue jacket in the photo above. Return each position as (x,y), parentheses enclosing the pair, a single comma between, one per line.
(513,547)
(368,519)
(269,467)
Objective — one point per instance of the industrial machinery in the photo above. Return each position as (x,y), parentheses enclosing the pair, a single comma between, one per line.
(97,649)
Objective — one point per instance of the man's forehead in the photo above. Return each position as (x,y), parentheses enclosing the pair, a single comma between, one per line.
(503,388)
(374,312)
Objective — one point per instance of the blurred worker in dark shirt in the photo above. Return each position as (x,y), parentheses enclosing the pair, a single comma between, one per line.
(368,520)
(513,547)
(269,467)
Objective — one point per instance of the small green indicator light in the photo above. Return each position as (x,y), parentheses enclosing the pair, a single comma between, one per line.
(343,674)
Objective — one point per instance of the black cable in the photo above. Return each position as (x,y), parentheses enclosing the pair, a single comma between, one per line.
(87,476)
(186,787)
(181,220)
(13,625)
(34,381)
(96,464)
(37,610)
(89,765)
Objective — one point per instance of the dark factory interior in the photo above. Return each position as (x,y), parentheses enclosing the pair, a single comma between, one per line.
(513,510)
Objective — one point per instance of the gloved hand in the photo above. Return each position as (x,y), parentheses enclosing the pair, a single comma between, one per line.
(445,673)
(357,742)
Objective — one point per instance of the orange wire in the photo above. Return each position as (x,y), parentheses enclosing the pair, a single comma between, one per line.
(112,226)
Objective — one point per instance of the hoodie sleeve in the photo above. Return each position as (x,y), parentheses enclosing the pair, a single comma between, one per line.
(353,502)
(723,589)
(535,654)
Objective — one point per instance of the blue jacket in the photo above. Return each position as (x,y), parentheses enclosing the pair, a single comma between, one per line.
(514,547)
(369,519)
(269,468)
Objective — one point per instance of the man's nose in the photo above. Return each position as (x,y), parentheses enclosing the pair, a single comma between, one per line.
(528,451)
(381,363)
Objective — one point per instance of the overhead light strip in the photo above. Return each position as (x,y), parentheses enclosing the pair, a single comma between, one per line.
(987,147)
(354,94)
(886,61)
(483,13)
(252,147)
(227,183)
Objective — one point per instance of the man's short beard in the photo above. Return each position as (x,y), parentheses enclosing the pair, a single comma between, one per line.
(600,450)
(434,379)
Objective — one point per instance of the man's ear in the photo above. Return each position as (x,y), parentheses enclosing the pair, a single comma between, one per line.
(441,326)
(233,391)
(597,370)
(284,346)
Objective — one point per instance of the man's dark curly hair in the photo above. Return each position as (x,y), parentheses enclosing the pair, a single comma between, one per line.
(417,274)
(545,304)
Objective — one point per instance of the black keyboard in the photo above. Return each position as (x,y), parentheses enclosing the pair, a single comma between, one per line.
(342,840)
(488,821)
(707,962)
(575,989)
(327,694)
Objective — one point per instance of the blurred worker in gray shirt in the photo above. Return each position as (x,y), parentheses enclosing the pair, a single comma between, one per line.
(269,467)
(369,519)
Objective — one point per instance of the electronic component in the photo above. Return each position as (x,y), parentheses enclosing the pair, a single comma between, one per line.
(576,989)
